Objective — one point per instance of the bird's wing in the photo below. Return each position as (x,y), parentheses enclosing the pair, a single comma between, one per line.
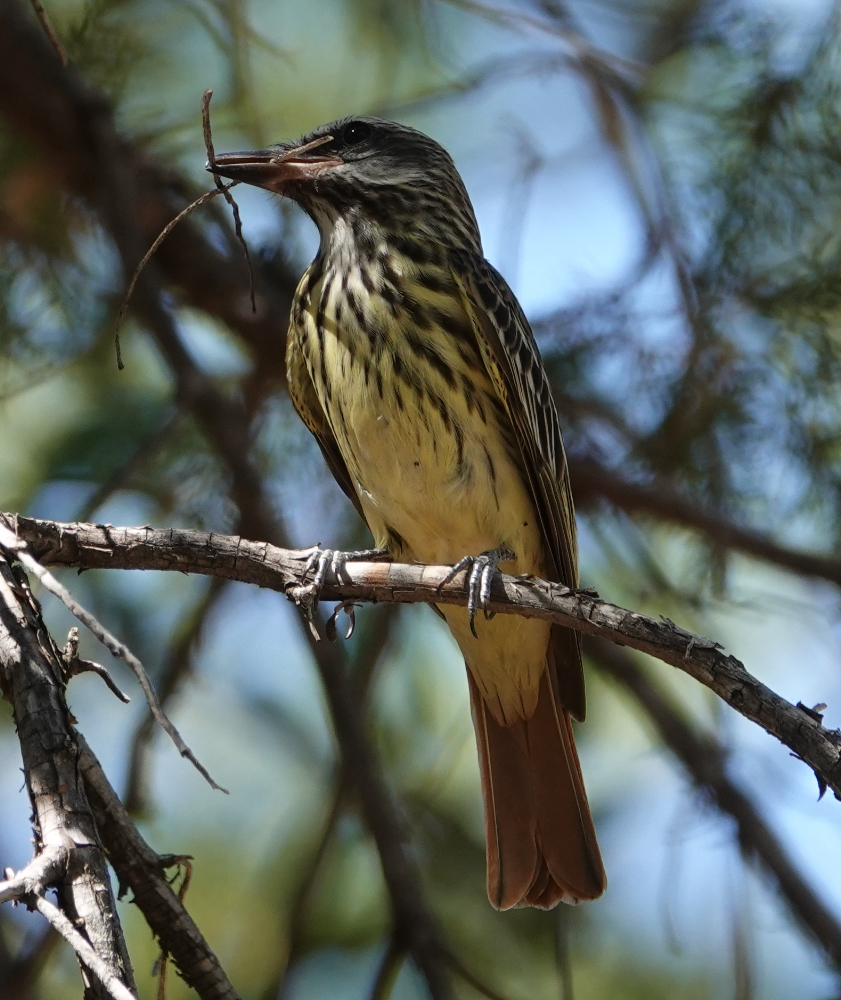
(305,400)
(513,362)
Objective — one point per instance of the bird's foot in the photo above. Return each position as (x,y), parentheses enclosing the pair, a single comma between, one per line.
(480,570)
(334,559)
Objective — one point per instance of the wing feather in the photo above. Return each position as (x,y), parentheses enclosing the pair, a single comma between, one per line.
(514,365)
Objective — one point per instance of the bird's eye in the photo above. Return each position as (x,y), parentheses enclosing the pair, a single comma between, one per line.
(355,132)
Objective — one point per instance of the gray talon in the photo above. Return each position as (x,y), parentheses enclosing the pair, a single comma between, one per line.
(319,561)
(479,579)
(334,559)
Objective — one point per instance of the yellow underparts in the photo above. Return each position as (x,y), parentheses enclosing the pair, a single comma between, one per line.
(430,463)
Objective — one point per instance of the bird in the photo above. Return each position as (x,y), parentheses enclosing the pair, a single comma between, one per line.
(412,363)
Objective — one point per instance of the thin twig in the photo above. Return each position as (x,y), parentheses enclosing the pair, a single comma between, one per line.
(80,666)
(221,186)
(175,668)
(111,643)
(83,948)
(295,152)
(163,960)
(74,664)
(46,868)
(49,31)
(201,200)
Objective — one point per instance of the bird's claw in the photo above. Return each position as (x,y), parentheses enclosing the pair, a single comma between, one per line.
(321,560)
(478,583)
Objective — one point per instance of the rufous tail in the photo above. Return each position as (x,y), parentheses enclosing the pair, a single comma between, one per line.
(541,843)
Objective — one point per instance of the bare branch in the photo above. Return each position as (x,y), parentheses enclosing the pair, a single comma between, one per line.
(233,558)
(80,666)
(43,870)
(172,673)
(69,853)
(141,869)
(83,948)
(73,665)
(706,762)
(111,643)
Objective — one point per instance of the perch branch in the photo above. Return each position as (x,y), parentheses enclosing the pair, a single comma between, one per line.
(411,914)
(91,546)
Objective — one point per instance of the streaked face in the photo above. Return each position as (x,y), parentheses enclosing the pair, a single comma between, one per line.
(382,171)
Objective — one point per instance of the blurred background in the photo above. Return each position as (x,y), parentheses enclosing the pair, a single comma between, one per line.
(660,182)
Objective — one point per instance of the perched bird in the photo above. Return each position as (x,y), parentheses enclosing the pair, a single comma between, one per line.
(412,363)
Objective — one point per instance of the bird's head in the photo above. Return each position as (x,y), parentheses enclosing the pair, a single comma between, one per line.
(369,171)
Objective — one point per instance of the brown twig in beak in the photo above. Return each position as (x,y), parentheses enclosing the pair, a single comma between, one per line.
(211,161)
(292,154)
(221,188)
(160,238)
(49,31)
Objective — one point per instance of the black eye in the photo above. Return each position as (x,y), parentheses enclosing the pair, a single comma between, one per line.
(355,132)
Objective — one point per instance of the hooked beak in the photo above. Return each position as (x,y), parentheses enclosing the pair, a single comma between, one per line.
(272,169)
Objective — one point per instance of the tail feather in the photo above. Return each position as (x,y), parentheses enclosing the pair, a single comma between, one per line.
(509,815)
(541,843)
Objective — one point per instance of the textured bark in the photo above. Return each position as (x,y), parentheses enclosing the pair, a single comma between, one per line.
(32,680)
(414,923)
(93,546)
(140,869)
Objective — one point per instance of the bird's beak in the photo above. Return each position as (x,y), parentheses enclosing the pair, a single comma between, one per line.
(272,169)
